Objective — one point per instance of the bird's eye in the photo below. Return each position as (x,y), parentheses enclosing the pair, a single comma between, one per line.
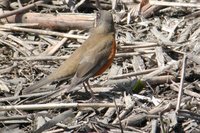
(98,15)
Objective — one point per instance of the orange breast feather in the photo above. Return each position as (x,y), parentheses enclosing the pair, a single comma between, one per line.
(110,59)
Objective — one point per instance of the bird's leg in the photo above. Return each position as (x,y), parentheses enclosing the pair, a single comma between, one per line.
(84,85)
(91,91)
(88,89)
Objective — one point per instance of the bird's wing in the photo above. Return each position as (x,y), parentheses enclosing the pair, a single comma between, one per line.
(92,62)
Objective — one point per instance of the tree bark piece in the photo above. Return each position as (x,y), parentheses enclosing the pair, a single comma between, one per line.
(61,21)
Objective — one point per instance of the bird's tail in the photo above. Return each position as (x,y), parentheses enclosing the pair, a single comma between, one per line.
(36,85)
(62,91)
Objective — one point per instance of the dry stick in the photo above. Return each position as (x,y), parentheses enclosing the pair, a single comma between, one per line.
(133,74)
(185,91)
(194,34)
(43,32)
(38,43)
(177,4)
(15,39)
(139,45)
(150,80)
(108,115)
(188,114)
(151,10)
(161,37)
(60,125)
(56,47)
(19,3)
(23,24)
(133,53)
(78,4)
(161,123)
(8,69)
(19,43)
(135,118)
(160,56)
(181,83)
(160,70)
(138,64)
(194,58)
(185,34)
(57,105)
(54,6)
(17,117)
(62,21)
(172,31)
(42,58)
(117,112)
(154,126)
(16,122)
(194,14)
(15,48)
(129,104)
(61,130)
(64,115)
(23,9)
(48,40)
(13,98)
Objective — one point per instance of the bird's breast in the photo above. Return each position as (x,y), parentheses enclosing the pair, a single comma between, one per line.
(110,59)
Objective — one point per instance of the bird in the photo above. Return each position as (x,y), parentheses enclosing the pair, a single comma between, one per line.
(91,59)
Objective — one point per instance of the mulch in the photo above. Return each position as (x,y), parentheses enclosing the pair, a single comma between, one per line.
(152,86)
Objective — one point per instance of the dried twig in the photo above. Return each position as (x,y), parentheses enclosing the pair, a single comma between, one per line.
(176,4)
(23,9)
(43,32)
(181,83)
(57,105)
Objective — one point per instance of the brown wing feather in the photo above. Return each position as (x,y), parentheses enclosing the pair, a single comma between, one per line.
(93,61)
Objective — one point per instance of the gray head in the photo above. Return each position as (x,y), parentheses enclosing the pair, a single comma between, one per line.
(105,22)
